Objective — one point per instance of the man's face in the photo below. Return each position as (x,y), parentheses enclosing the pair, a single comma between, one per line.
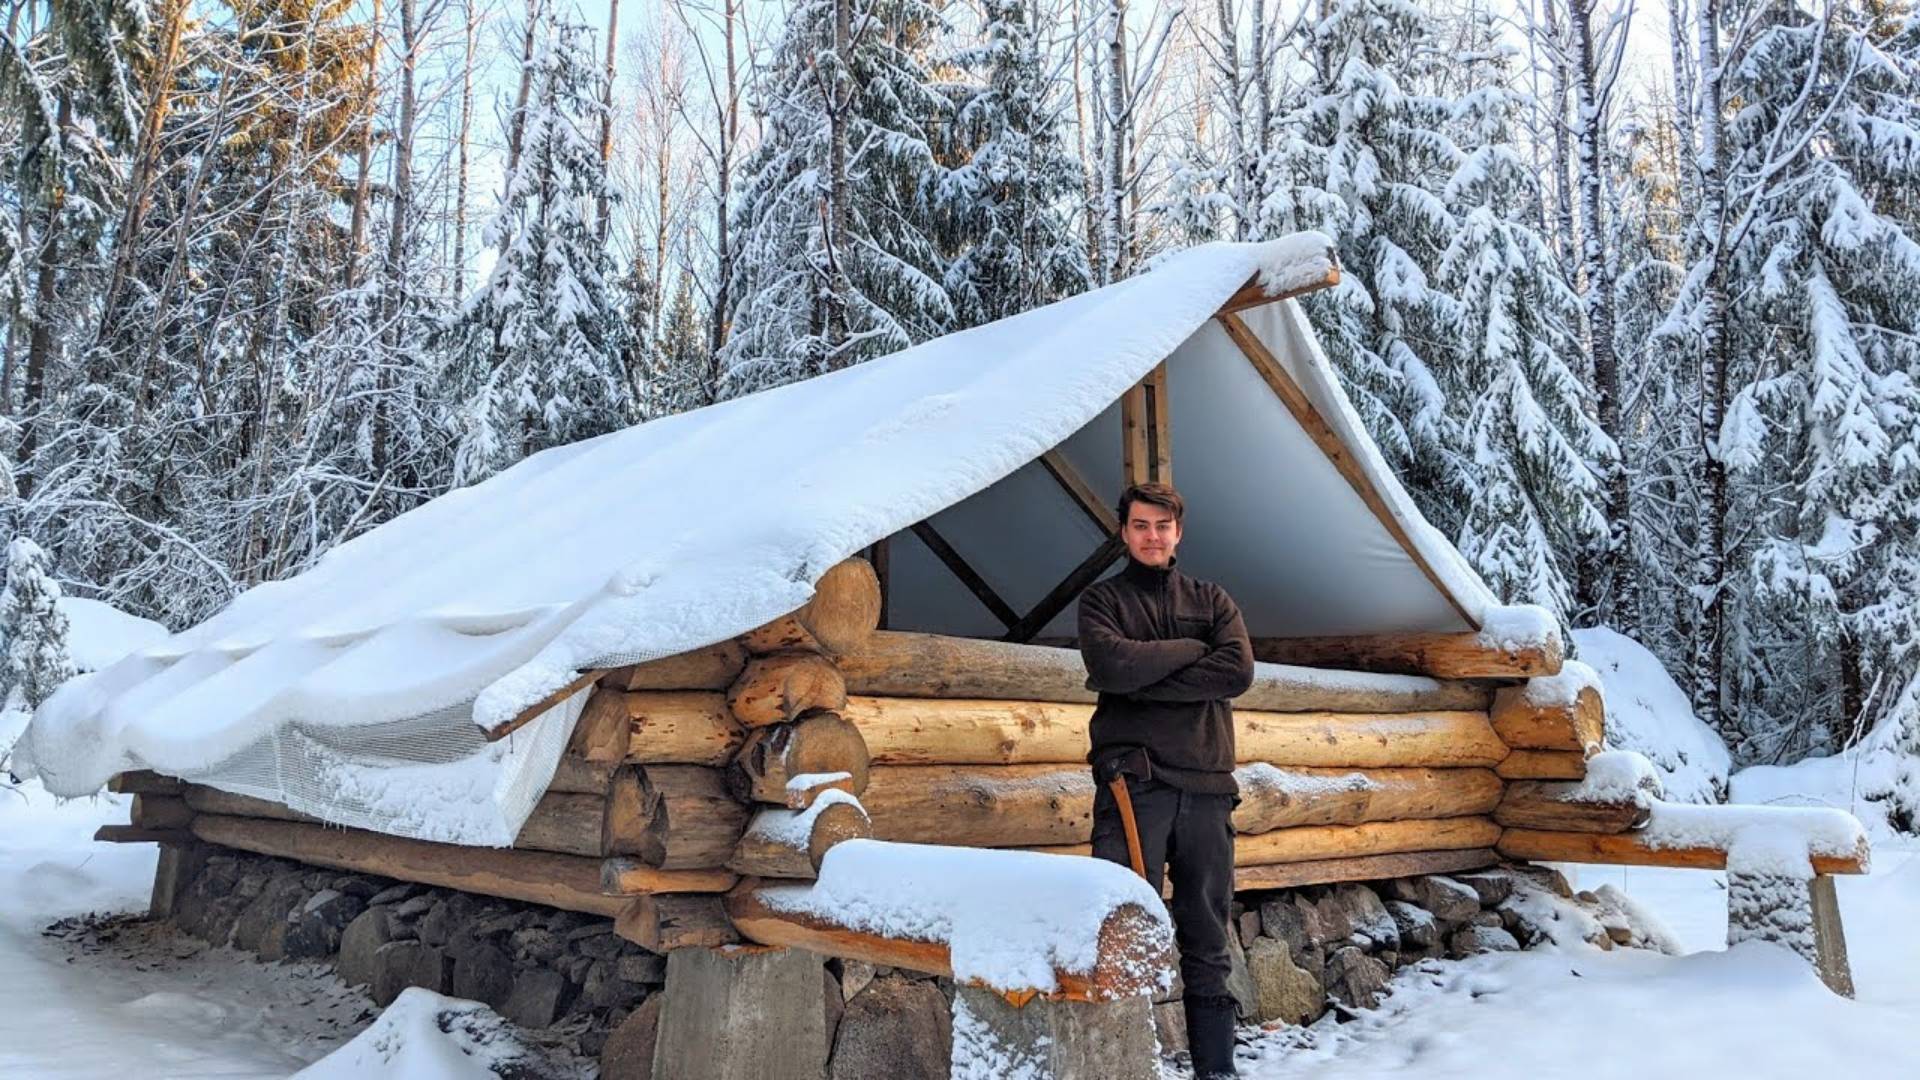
(1151,533)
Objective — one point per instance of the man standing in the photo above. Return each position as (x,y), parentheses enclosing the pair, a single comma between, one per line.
(1166,652)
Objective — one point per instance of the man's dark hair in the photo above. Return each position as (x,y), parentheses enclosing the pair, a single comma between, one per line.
(1153,494)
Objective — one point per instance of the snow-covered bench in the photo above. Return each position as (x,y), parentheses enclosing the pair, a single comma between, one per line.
(1055,960)
(1780,861)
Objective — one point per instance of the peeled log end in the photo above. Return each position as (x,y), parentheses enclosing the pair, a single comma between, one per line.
(844,612)
(782,687)
(1578,725)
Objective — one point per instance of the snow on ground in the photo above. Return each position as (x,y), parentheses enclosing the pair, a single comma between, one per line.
(1752,1012)
(1648,712)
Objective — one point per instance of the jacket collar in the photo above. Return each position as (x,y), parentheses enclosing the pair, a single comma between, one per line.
(1151,576)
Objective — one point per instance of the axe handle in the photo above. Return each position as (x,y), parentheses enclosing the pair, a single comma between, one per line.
(1124,801)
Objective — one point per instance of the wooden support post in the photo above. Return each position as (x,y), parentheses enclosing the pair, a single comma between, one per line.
(1052,1040)
(742,1014)
(1802,915)
(1076,486)
(179,865)
(880,555)
(1159,428)
(1134,422)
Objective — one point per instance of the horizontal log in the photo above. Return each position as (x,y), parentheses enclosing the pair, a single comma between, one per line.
(134,834)
(623,875)
(1361,868)
(780,687)
(667,921)
(160,812)
(143,782)
(1633,849)
(783,843)
(773,756)
(1448,740)
(564,823)
(1563,806)
(537,877)
(1466,655)
(841,616)
(1127,964)
(926,731)
(675,727)
(1280,798)
(1371,838)
(909,665)
(1007,806)
(1526,724)
(1042,805)
(1543,765)
(711,668)
(684,817)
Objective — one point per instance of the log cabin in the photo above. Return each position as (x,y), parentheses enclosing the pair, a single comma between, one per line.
(662,674)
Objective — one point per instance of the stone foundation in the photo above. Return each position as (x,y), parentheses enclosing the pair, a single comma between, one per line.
(571,983)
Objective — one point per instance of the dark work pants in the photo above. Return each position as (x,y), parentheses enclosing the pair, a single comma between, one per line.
(1192,835)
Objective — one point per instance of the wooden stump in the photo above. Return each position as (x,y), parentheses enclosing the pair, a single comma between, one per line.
(742,1014)
(1047,1039)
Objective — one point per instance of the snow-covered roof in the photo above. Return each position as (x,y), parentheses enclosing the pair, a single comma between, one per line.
(694,528)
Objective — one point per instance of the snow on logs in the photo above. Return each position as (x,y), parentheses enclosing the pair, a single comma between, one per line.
(1083,930)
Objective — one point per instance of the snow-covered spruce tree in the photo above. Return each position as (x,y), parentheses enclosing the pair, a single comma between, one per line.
(1364,159)
(1531,499)
(1801,298)
(685,376)
(1005,201)
(34,627)
(538,348)
(835,258)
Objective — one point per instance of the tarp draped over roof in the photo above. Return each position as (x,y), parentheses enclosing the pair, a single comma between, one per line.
(691,529)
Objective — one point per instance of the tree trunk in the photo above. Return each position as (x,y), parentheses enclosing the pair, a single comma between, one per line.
(603,218)
(459,274)
(363,181)
(46,293)
(517,127)
(1710,556)
(1116,243)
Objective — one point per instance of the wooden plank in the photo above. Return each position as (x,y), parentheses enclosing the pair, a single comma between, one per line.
(1254,294)
(537,877)
(1159,427)
(134,834)
(1361,868)
(1070,587)
(959,567)
(1076,486)
(530,713)
(1310,421)
(1134,456)
(1446,656)
(1632,849)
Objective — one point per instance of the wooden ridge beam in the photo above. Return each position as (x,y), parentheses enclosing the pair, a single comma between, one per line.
(1253,294)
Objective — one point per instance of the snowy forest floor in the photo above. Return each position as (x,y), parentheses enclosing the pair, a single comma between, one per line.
(87,999)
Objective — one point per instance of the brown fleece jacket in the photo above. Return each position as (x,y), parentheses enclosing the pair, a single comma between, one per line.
(1167,653)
